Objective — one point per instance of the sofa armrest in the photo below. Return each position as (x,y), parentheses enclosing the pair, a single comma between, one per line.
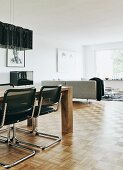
(83,89)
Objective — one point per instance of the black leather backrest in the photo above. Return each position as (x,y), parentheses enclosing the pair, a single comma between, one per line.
(50,94)
(19,100)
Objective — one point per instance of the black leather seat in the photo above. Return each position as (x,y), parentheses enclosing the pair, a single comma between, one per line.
(24,82)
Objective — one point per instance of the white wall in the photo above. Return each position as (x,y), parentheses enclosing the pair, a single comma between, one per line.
(42,60)
(89,62)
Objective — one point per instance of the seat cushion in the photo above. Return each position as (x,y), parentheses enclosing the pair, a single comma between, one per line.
(44,110)
(15,117)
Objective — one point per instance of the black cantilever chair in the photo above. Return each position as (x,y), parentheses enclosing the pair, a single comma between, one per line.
(18,105)
(48,102)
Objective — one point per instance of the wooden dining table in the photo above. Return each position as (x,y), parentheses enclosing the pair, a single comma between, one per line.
(66,107)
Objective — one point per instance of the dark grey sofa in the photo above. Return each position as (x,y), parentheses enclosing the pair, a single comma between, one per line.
(83,89)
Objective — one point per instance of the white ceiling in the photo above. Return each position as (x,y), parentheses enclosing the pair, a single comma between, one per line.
(74,21)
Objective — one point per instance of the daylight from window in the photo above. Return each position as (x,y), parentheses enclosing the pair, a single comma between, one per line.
(109,64)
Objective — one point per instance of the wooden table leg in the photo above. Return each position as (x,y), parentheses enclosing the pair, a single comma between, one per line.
(32,122)
(67,111)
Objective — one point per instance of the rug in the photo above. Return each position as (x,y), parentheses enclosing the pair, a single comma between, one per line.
(113,97)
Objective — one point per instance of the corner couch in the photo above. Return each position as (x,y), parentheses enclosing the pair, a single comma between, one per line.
(83,89)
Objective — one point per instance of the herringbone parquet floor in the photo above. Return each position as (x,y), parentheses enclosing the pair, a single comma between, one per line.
(95,144)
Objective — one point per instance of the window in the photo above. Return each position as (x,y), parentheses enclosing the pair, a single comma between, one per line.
(109,63)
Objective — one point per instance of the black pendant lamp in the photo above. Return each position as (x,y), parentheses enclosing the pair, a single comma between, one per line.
(12,36)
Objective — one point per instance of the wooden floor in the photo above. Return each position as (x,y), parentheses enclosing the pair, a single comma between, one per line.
(96,143)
